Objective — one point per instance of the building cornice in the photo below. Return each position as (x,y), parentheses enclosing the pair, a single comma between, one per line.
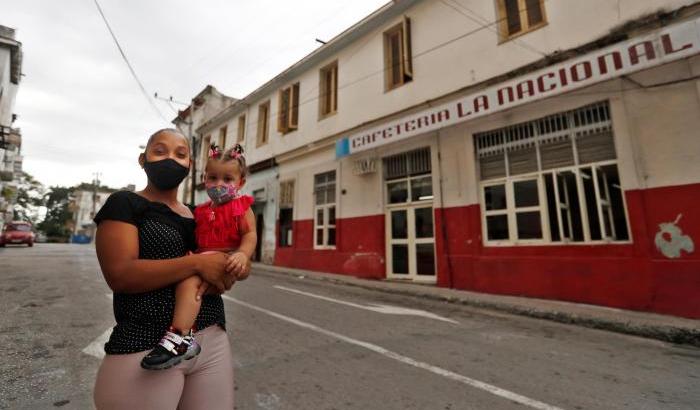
(630,29)
(365,26)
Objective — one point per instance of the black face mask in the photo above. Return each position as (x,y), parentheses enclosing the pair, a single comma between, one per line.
(165,174)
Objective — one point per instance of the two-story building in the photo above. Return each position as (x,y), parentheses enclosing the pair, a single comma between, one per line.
(524,147)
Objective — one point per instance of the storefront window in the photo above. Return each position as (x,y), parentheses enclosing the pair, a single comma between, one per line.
(561,182)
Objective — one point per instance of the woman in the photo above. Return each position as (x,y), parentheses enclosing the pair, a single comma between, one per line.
(144,242)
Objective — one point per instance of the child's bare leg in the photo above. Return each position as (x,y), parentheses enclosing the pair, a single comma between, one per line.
(186,304)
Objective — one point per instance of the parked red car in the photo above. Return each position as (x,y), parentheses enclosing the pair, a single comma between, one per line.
(17,232)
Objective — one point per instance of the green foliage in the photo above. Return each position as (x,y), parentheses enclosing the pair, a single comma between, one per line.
(58,213)
(28,199)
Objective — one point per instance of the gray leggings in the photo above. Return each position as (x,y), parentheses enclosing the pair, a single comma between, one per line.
(205,382)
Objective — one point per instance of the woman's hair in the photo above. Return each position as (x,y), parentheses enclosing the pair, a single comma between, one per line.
(234,153)
(169,131)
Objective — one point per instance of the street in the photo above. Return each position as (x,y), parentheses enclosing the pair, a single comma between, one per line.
(301,344)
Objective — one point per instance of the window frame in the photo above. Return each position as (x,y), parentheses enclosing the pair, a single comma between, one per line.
(409,190)
(324,98)
(523,14)
(288,114)
(325,209)
(263,135)
(544,210)
(405,64)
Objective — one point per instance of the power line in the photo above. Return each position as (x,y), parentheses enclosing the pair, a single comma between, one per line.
(485,23)
(126,60)
(415,56)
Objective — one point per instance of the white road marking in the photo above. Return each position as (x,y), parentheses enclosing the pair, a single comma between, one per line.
(495,390)
(267,401)
(97,347)
(386,309)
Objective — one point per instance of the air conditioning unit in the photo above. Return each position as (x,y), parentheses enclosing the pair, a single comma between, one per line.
(364,166)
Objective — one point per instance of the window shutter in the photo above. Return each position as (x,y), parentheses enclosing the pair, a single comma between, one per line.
(283,109)
(241,128)
(595,147)
(534,12)
(492,166)
(522,160)
(286,194)
(334,88)
(407,54)
(557,153)
(294,107)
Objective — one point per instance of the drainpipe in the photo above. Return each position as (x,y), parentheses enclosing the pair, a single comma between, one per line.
(443,228)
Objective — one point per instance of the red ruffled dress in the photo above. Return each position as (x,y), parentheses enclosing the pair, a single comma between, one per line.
(221,227)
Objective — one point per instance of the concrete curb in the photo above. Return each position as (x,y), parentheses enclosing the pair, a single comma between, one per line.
(648,325)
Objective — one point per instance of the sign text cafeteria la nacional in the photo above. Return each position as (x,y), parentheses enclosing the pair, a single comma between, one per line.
(663,46)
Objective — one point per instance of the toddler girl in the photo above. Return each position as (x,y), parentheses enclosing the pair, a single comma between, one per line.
(224,224)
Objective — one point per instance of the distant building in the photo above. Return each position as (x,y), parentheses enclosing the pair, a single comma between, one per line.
(204,106)
(539,148)
(10,138)
(85,202)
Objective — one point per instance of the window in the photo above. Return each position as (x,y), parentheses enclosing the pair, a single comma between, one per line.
(408,177)
(286,213)
(263,123)
(553,180)
(520,16)
(241,128)
(324,211)
(288,117)
(222,137)
(329,90)
(397,55)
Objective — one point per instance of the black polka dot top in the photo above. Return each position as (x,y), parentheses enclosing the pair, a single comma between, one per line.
(143,318)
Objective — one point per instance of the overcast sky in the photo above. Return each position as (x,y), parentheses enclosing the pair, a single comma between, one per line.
(80,110)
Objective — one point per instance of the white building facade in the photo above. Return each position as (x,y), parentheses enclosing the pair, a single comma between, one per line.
(10,138)
(526,147)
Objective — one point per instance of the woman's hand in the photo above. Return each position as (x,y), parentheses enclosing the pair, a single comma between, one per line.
(206,288)
(238,265)
(212,268)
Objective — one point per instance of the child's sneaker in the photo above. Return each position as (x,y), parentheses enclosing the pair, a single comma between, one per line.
(171,350)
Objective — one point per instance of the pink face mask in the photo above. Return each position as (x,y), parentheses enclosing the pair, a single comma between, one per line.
(220,194)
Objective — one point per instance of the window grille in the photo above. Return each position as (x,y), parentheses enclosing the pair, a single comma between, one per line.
(588,129)
(407,164)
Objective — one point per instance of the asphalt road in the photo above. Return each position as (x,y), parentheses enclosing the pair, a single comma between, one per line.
(301,344)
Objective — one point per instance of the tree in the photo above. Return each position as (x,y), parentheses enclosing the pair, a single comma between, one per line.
(58,213)
(29,200)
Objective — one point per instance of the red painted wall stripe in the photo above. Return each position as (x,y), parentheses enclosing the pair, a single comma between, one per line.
(630,276)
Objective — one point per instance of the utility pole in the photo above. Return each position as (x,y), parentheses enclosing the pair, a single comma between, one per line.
(95,184)
(193,147)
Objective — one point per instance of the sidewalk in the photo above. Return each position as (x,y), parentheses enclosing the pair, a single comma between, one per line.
(666,328)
